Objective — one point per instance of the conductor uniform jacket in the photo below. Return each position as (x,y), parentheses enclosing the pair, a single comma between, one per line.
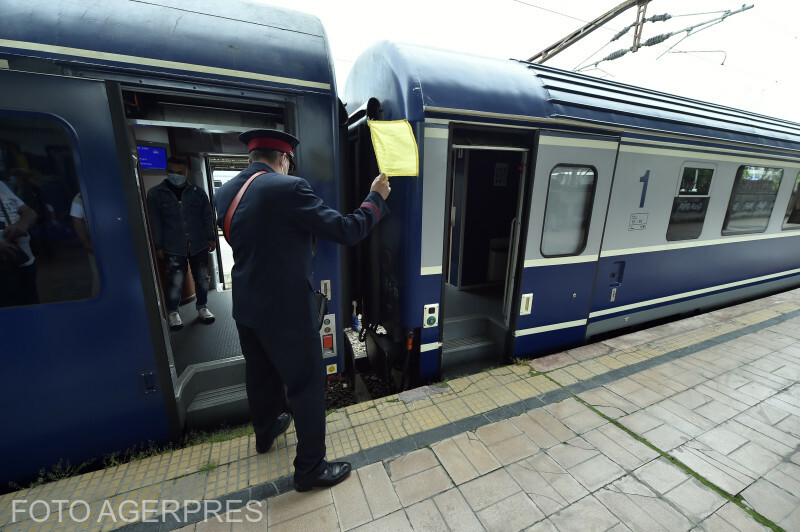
(271,236)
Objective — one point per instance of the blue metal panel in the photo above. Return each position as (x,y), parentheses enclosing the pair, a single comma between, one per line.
(561,294)
(249,37)
(541,343)
(553,288)
(72,369)
(429,365)
(654,275)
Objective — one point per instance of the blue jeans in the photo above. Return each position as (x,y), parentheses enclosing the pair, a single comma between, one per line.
(176,272)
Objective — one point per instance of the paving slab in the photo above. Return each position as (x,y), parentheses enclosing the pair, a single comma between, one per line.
(656,430)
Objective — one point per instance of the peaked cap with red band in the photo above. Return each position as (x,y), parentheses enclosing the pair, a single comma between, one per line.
(269,139)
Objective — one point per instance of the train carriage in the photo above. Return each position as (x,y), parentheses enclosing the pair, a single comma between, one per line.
(552,207)
(94,96)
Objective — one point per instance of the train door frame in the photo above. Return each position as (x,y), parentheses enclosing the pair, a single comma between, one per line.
(220,279)
(274,101)
(486,141)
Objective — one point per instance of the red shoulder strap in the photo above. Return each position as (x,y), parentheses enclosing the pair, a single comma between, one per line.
(226,226)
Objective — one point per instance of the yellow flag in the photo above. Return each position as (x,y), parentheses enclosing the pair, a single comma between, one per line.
(395,147)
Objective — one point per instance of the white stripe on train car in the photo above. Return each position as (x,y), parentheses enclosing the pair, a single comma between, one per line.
(556,261)
(430,270)
(551,327)
(693,293)
(437,132)
(696,244)
(735,147)
(159,63)
(430,347)
(695,149)
(740,158)
(549,140)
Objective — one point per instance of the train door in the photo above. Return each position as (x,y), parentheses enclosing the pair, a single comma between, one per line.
(571,186)
(487,180)
(203,132)
(81,341)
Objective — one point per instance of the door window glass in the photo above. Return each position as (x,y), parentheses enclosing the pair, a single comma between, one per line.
(791,219)
(568,210)
(752,199)
(690,205)
(44,216)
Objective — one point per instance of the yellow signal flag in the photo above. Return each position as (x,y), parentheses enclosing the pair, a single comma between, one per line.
(395,147)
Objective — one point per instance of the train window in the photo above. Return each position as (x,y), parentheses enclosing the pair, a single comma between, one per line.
(40,191)
(791,219)
(752,199)
(568,210)
(691,203)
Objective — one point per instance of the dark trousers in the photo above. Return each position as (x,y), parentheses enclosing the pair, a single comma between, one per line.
(176,272)
(294,361)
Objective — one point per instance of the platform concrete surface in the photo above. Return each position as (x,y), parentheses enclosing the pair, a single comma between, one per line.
(691,425)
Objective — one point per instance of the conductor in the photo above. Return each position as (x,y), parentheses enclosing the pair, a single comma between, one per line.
(273,296)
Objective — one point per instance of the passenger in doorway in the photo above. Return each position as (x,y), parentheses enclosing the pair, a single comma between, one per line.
(17,264)
(183,228)
(271,235)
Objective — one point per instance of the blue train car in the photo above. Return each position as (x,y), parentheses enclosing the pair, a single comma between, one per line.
(552,207)
(94,96)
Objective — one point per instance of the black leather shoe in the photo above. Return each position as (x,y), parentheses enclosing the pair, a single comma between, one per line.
(279,427)
(334,473)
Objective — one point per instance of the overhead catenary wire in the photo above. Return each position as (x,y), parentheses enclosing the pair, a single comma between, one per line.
(655,18)
(658,39)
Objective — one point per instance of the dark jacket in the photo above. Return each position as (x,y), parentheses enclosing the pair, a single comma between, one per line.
(271,237)
(180,227)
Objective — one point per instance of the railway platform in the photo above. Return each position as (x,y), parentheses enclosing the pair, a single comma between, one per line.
(689,425)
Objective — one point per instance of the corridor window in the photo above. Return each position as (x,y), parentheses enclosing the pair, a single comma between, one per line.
(568,210)
(752,199)
(791,219)
(690,205)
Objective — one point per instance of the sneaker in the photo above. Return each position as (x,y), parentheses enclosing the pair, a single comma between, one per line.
(175,322)
(205,315)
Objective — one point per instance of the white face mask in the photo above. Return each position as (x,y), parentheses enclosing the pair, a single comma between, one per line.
(176,179)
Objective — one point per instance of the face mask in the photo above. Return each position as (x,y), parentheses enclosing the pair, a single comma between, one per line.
(176,179)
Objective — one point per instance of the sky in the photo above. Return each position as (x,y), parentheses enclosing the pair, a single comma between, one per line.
(748,61)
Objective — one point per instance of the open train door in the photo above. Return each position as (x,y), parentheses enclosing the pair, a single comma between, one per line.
(572,183)
(487,202)
(68,135)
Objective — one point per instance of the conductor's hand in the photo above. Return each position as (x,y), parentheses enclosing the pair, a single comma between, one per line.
(381,185)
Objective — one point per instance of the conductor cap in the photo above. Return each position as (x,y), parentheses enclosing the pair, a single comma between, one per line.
(270,139)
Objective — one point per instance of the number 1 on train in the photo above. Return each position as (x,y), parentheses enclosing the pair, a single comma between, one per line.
(644,179)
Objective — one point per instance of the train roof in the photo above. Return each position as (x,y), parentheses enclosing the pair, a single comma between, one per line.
(249,42)
(413,81)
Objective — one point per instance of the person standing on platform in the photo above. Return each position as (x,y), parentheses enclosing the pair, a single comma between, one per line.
(272,235)
(183,228)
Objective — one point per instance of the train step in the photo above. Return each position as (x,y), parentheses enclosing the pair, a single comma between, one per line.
(460,353)
(463,327)
(212,408)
